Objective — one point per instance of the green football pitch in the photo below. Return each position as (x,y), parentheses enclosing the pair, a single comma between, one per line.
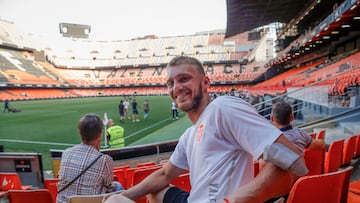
(52,124)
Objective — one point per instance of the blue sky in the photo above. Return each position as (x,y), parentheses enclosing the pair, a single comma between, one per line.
(117,19)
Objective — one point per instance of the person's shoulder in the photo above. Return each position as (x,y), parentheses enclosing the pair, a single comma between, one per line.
(101,156)
(71,150)
(115,126)
(107,157)
(118,127)
(223,100)
(301,132)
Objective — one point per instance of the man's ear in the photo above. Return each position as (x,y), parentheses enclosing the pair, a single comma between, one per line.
(272,118)
(207,81)
(291,117)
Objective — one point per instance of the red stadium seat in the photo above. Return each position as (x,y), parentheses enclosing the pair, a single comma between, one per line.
(353,197)
(121,167)
(333,157)
(313,135)
(145,164)
(321,135)
(357,146)
(314,159)
(256,168)
(30,196)
(51,185)
(328,187)
(182,182)
(349,150)
(120,176)
(355,187)
(139,175)
(130,172)
(11,181)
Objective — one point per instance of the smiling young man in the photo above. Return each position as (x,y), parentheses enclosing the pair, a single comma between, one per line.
(226,136)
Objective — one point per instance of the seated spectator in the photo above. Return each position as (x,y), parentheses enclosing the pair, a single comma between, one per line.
(282,116)
(226,135)
(115,135)
(84,170)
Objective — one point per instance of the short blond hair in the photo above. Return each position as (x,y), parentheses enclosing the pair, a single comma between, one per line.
(178,60)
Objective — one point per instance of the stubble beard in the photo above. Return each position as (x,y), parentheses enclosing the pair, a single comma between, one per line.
(196,102)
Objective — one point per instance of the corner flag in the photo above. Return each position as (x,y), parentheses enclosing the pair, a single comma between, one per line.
(105,119)
(105,122)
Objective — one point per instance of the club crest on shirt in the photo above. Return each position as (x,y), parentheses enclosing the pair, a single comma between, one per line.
(200,132)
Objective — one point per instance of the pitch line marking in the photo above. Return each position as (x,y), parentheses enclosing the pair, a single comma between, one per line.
(36,142)
(155,124)
(67,144)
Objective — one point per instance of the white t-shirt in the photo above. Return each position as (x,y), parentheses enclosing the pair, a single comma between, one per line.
(220,148)
(173,106)
(126,105)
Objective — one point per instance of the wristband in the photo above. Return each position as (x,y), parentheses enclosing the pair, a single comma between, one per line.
(226,200)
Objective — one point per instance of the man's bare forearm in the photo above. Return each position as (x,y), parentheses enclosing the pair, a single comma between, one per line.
(151,184)
(269,183)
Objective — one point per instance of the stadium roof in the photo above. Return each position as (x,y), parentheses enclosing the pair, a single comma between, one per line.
(245,15)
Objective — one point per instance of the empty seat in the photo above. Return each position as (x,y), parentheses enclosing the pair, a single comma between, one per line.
(321,135)
(313,135)
(51,185)
(120,176)
(30,196)
(121,167)
(349,150)
(314,159)
(353,197)
(129,175)
(333,157)
(145,164)
(139,175)
(357,146)
(182,182)
(256,168)
(355,187)
(11,181)
(328,187)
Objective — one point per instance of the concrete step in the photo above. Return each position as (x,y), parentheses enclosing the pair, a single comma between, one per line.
(332,133)
(351,127)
